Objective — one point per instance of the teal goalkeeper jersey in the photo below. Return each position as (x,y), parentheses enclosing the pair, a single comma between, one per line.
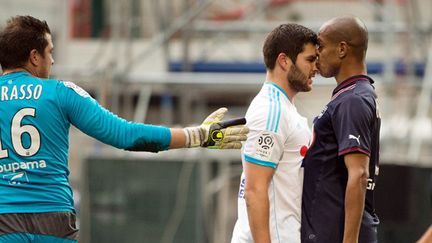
(35,117)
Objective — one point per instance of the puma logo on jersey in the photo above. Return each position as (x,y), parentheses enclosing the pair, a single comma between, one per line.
(355,138)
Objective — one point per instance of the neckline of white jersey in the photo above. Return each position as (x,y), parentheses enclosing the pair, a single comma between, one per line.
(279,88)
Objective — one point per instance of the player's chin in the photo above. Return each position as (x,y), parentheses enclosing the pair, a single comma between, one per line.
(324,73)
(307,88)
(308,85)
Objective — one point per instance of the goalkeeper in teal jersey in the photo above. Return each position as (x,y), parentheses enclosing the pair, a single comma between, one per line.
(35,116)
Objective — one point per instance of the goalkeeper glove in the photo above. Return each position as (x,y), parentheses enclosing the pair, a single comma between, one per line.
(217,134)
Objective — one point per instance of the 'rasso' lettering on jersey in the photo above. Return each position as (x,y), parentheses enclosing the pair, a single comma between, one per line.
(21,92)
(14,166)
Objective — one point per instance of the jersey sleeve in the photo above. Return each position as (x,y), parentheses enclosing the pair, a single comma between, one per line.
(352,123)
(262,147)
(90,117)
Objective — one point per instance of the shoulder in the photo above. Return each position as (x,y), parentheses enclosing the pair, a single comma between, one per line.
(353,101)
(267,112)
(365,90)
(355,106)
(256,113)
(71,86)
(362,93)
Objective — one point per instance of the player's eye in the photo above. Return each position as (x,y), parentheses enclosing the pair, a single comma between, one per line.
(312,58)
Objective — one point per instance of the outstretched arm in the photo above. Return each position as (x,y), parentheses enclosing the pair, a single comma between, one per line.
(87,115)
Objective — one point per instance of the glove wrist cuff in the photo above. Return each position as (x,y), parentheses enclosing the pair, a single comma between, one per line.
(193,136)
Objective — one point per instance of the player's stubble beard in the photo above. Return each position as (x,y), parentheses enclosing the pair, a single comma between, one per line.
(297,80)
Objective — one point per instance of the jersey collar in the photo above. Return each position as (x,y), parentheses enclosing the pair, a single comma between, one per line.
(350,81)
(277,87)
(15,74)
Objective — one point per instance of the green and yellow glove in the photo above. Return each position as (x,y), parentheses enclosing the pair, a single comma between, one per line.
(217,134)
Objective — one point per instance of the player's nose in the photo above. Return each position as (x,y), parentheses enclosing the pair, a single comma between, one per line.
(315,68)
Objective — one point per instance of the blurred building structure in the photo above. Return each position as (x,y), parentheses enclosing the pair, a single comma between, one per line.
(152,43)
(172,61)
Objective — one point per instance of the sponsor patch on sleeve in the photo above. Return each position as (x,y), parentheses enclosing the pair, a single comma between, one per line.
(76,88)
(264,145)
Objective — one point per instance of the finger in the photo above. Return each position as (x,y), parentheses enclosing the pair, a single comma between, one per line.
(235,130)
(234,138)
(216,116)
(231,145)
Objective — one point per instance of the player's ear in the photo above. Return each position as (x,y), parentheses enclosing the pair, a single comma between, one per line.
(284,61)
(34,57)
(342,49)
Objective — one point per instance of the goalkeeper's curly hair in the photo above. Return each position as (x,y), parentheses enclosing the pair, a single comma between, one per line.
(289,39)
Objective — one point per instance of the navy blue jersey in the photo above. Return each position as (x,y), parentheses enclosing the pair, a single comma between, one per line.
(35,117)
(349,123)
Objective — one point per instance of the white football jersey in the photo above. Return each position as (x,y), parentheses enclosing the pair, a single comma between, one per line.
(279,137)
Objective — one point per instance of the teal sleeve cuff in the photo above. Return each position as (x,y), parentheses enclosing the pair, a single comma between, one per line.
(154,139)
(260,162)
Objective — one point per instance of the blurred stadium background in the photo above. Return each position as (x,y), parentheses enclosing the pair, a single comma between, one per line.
(171,62)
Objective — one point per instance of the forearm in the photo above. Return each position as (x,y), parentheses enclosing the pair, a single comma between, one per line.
(354,206)
(94,120)
(131,136)
(258,215)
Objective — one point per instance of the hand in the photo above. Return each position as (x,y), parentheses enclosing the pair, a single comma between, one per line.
(217,134)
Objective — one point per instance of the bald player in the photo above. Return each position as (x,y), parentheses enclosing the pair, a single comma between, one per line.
(341,165)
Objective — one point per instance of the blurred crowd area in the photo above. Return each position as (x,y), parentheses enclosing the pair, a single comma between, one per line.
(171,62)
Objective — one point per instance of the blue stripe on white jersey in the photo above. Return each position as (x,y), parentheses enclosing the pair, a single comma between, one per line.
(279,113)
(274,113)
(270,111)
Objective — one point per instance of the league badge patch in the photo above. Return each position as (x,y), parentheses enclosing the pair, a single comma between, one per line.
(264,146)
